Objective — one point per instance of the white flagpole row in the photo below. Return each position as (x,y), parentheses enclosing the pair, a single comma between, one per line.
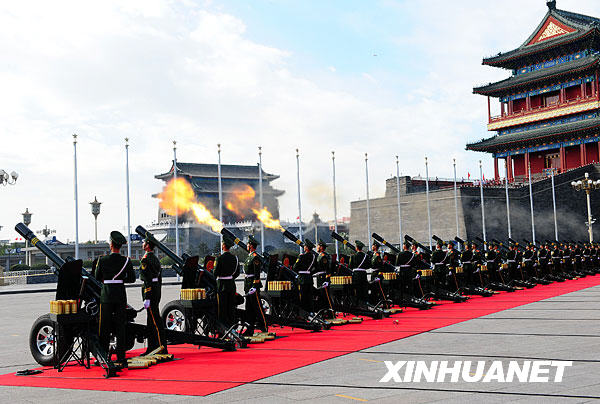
(220,194)
(260,196)
(76,198)
(368,207)
(127,192)
(337,250)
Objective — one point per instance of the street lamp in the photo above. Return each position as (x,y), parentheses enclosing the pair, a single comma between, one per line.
(46,232)
(587,185)
(6,179)
(95,211)
(27,222)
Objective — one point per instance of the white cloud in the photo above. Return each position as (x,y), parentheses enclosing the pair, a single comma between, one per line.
(158,71)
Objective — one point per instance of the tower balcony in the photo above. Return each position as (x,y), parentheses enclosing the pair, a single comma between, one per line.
(541,113)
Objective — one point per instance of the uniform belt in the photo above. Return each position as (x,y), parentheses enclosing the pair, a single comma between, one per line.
(113,281)
(491,261)
(359,270)
(304,272)
(466,262)
(154,279)
(249,275)
(220,278)
(586,256)
(321,273)
(526,260)
(438,263)
(511,261)
(404,266)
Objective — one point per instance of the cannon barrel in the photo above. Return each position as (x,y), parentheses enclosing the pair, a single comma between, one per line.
(459,240)
(264,258)
(436,238)
(415,242)
(287,234)
(32,238)
(343,241)
(384,242)
(178,260)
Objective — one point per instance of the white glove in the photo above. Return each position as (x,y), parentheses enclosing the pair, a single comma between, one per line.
(252,291)
(449,273)
(146,303)
(325,284)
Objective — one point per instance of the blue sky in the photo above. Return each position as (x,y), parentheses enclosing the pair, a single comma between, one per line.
(280,74)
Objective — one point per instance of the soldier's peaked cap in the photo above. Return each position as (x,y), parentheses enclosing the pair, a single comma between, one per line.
(228,242)
(253,241)
(148,239)
(322,243)
(359,244)
(117,238)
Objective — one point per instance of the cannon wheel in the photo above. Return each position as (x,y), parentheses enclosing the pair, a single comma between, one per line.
(173,315)
(42,341)
(267,303)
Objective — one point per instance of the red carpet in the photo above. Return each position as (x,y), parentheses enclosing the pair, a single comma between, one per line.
(205,371)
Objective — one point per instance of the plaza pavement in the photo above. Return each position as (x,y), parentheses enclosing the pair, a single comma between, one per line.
(565,327)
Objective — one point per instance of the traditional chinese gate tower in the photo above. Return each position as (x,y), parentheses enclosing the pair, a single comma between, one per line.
(549,106)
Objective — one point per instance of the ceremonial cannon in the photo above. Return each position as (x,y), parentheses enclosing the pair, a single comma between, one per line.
(195,313)
(430,288)
(345,298)
(52,336)
(400,288)
(278,308)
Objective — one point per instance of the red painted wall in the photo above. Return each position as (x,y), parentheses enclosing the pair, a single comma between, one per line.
(591,150)
(519,164)
(520,104)
(572,157)
(536,101)
(572,92)
(536,160)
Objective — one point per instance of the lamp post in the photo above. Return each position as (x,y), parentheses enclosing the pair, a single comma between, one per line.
(6,179)
(587,185)
(27,222)
(95,211)
(46,232)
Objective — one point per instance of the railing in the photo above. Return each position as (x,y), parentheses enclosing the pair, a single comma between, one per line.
(535,110)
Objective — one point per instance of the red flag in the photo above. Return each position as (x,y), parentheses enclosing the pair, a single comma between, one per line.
(484,177)
(468,176)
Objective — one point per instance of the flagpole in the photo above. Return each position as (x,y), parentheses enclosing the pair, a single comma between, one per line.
(398,201)
(428,210)
(531,203)
(76,198)
(260,195)
(456,201)
(127,192)
(507,201)
(299,201)
(220,194)
(368,207)
(554,206)
(337,252)
(176,209)
(482,205)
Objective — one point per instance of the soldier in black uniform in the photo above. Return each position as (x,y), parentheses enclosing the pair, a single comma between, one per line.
(438,261)
(466,259)
(359,264)
(305,267)
(323,271)
(151,276)
(113,271)
(252,286)
(226,271)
